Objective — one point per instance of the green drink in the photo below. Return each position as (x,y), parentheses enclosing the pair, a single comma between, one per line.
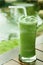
(28,26)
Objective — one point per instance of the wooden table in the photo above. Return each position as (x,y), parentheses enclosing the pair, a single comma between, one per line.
(39,53)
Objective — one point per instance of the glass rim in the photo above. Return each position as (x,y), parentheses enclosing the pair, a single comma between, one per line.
(30,18)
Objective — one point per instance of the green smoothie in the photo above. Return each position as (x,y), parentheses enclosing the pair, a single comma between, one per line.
(28,28)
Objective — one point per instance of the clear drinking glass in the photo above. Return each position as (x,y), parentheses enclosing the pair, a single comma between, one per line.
(27,28)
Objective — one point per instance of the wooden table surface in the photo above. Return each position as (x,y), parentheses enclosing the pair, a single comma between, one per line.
(39,54)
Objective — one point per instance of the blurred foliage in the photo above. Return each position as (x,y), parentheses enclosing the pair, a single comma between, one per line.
(40,28)
(13,36)
(30,10)
(8,45)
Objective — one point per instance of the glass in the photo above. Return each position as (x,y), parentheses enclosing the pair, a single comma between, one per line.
(28,27)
